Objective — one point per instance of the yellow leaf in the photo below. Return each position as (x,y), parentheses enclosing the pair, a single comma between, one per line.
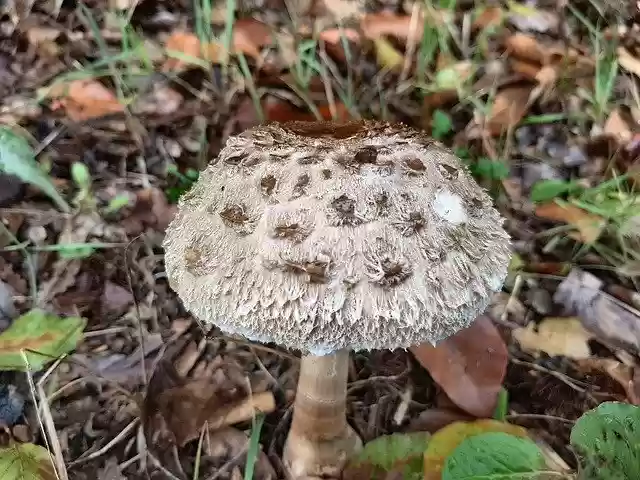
(445,441)
(386,54)
(555,336)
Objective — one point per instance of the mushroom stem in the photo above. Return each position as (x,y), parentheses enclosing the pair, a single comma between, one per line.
(320,440)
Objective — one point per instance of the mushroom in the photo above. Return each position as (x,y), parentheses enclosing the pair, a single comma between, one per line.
(328,238)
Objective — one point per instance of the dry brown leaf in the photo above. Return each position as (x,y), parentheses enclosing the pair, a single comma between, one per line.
(527,48)
(84,99)
(618,127)
(621,373)
(589,226)
(527,69)
(469,366)
(509,107)
(555,336)
(491,17)
(376,25)
(160,100)
(628,61)
(249,37)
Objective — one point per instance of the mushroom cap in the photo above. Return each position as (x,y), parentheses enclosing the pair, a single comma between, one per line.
(321,236)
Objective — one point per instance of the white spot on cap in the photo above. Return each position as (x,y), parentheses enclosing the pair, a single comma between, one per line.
(448,206)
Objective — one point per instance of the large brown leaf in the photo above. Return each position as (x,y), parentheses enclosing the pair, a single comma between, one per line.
(469,366)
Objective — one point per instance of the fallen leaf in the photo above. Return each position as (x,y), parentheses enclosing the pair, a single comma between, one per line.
(84,99)
(386,54)
(38,337)
(376,25)
(527,48)
(250,36)
(621,373)
(399,454)
(469,366)
(509,107)
(446,440)
(188,45)
(606,316)
(335,39)
(490,17)
(555,336)
(627,61)
(589,226)
(618,127)
(26,461)
(186,405)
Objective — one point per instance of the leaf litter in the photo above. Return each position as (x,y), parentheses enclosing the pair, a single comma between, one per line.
(523,95)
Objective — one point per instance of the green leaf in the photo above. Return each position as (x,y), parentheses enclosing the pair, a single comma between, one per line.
(491,169)
(17,158)
(81,176)
(26,461)
(493,456)
(402,452)
(607,440)
(502,405)
(545,190)
(441,124)
(42,337)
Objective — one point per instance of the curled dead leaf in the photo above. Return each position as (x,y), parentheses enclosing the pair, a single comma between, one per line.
(469,366)
(618,127)
(84,99)
(509,107)
(589,226)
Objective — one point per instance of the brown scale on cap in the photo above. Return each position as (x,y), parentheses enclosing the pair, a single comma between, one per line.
(299,230)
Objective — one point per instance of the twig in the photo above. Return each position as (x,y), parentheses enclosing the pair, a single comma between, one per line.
(45,419)
(571,382)
(538,416)
(143,354)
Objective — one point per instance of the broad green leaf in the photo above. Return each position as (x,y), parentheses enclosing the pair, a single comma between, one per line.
(17,158)
(441,124)
(399,452)
(607,440)
(26,461)
(545,190)
(491,169)
(42,337)
(81,176)
(447,439)
(493,456)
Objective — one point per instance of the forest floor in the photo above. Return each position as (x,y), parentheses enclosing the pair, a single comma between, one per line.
(110,108)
